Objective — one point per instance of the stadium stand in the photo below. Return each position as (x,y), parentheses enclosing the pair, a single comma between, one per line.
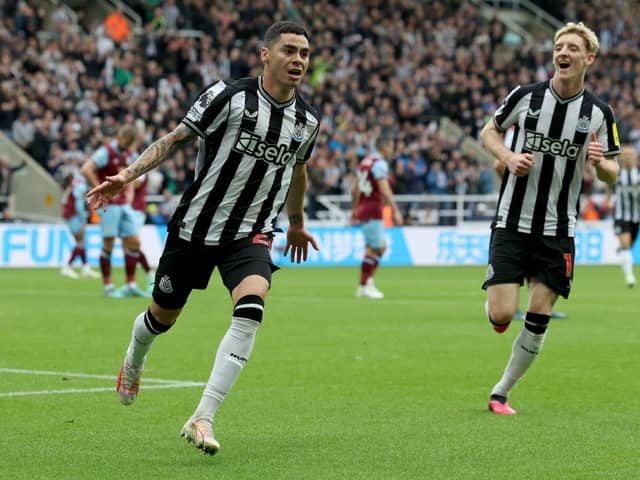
(430,74)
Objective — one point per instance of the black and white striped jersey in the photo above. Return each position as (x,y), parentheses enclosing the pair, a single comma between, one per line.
(626,196)
(249,146)
(557,132)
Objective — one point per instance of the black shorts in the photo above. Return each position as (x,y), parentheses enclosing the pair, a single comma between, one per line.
(514,256)
(184,266)
(620,226)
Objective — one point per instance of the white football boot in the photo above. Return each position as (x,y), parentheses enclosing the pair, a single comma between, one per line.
(199,431)
(369,290)
(69,272)
(89,273)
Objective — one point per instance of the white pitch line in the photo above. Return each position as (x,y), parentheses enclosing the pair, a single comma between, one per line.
(99,389)
(163,383)
(85,375)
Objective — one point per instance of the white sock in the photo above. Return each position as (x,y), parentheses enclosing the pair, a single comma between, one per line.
(142,338)
(627,262)
(233,353)
(525,349)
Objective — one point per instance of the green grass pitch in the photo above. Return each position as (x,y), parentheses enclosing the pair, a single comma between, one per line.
(336,388)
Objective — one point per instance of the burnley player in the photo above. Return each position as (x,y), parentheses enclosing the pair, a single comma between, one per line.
(117,220)
(74,212)
(139,206)
(369,193)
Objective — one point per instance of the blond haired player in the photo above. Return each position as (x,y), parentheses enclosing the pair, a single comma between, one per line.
(557,125)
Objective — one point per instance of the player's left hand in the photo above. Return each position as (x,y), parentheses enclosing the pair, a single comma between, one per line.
(595,150)
(98,197)
(298,240)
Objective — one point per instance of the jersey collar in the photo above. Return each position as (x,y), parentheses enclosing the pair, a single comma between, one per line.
(115,147)
(272,100)
(564,100)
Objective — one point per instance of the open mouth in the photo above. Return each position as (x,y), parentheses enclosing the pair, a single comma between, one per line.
(563,65)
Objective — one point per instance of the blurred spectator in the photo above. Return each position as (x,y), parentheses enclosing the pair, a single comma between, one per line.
(393,66)
(161,213)
(171,14)
(73,157)
(332,175)
(437,179)
(159,21)
(8,107)
(39,147)
(400,177)
(116,26)
(485,180)
(23,130)
(60,18)
(87,108)
(28,18)
(6,172)
(416,169)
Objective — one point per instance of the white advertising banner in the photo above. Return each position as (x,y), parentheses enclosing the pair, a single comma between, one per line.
(595,244)
(49,245)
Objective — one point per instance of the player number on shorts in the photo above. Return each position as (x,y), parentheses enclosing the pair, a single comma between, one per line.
(568,264)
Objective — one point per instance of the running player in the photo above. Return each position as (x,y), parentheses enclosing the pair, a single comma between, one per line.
(558,125)
(256,135)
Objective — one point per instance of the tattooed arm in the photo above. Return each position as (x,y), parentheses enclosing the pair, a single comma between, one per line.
(154,155)
(295,199)
(298,238)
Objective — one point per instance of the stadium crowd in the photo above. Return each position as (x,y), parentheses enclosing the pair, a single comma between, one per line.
(391,66)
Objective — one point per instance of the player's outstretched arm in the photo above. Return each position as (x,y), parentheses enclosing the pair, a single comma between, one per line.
(154,155)
(298,239)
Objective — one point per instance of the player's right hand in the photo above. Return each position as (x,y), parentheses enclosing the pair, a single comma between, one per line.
(595,150)
(99,196)
(397,217)
(298,240)
(519,164)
